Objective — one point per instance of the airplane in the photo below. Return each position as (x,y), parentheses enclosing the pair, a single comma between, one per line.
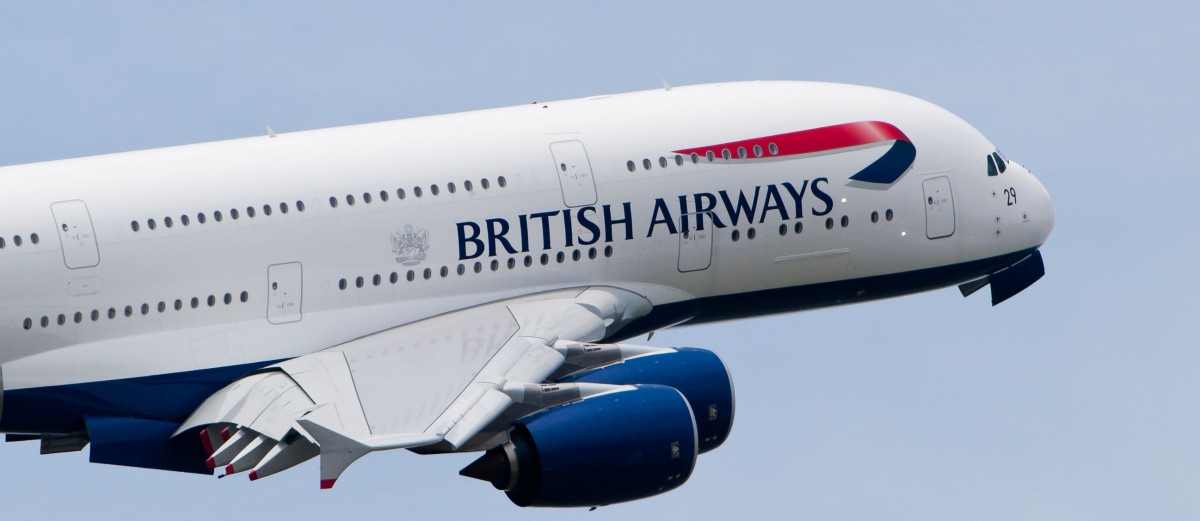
(469,282)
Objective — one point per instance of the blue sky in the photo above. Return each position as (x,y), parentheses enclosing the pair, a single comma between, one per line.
(1077,399)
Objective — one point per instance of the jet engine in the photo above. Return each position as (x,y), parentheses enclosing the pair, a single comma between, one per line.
(698,373)
(639,440)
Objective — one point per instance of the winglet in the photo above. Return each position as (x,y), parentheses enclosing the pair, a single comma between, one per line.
(338,451)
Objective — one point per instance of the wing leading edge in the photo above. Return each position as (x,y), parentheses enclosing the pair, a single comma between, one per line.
(440,384)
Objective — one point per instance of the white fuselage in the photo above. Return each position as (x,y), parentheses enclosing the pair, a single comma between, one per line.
(486,180)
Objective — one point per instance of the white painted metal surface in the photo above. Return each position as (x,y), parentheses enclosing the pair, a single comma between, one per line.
(404,221)
(574,173)
(76,234)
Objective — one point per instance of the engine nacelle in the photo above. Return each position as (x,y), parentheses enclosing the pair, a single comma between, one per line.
(620,446)
(698,373)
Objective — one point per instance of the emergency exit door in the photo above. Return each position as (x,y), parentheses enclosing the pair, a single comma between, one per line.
(695,241)
(574,173)
(284,292)
(939,208)
(76,234)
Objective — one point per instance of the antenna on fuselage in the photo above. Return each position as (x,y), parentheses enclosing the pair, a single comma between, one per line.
(270,131)
(666,86)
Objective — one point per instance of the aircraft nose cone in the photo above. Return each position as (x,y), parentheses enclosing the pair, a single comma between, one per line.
(1042,213)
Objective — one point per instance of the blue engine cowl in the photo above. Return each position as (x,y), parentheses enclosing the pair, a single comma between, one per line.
(698,373)
(609,448)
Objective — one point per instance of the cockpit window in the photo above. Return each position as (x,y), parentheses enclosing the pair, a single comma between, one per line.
(997,164)
(1001,163)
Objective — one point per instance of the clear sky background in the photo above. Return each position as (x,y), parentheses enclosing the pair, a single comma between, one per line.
(1078,399)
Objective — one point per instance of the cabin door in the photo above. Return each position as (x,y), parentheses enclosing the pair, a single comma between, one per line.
(939,208)
(76,234)
(574,173)
(284,292)
(695,241)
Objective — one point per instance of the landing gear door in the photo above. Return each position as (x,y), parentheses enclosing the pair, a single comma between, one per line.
(76,234)
(695,241)
(574,173)
(284,292)
(939,208)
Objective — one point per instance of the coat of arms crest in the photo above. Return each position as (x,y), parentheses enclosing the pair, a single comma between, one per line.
(410,245)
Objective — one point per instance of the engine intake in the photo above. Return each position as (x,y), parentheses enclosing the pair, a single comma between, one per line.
(698,373)
(606,449)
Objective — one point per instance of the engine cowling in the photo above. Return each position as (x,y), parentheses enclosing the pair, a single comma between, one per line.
(698,373)
(620,446)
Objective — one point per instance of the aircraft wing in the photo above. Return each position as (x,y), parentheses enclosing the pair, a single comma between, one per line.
(434,384)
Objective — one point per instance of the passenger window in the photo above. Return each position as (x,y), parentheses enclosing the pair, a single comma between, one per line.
(266,210)
(333,202)
(183,219)
(646,164)
(168,222)
(366,198)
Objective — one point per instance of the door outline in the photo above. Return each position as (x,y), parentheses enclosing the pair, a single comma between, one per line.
(939,207)
(76,234)
(576,178)
(285,292)
(695,242)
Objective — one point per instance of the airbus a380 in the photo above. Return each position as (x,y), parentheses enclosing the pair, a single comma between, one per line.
(462,282)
